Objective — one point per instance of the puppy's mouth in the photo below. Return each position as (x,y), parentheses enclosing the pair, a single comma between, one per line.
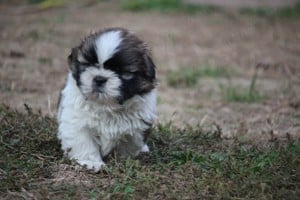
(97,96)
(98,90)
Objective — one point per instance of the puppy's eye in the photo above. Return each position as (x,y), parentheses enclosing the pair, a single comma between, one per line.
(127,76)
(82,64)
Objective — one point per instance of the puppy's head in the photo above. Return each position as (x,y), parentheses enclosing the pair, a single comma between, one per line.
(112,65)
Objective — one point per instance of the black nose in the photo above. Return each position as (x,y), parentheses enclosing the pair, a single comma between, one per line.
(99,80)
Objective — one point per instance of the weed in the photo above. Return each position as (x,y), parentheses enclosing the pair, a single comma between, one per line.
(124,188)
(167,6)
(34,35)
(188,77)
(45,4)
(34,1)
(61,18)
(179,6)
(270,12)
(236,94)
(290,12)
(45,61)
(297,116)
(92,195)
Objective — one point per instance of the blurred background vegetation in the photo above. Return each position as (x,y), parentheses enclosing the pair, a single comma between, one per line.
(264,8)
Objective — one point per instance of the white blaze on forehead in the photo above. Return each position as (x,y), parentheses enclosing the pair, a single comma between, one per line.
(107,44)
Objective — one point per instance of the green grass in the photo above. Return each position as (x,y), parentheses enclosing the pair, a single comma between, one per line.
(237,94)
(232,93)
(179,6)
(167,6)
(188,77)
(35,1)
(270,12)
(185,163)
(45,4)
(45,61)
(26,142)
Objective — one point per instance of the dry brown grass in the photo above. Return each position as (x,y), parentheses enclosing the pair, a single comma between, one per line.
(35,43)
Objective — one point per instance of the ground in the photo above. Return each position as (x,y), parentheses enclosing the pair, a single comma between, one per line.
(226,81)
(36,42)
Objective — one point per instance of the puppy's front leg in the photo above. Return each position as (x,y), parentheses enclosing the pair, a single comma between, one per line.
(78,144)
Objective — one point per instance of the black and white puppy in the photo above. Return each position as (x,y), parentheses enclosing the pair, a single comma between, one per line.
(109,100)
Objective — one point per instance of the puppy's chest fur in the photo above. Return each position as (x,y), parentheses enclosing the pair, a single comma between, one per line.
(101,120)
(106,123)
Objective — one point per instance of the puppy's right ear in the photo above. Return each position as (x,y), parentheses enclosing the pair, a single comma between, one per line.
(72,59)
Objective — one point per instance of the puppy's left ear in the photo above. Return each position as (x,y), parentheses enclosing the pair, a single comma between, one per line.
(72,58)
(150,68)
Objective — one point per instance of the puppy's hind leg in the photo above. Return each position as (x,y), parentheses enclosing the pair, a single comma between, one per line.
(78,144)
(132,145)
(145,148)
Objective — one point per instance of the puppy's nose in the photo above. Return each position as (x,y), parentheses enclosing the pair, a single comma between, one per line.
(99,80)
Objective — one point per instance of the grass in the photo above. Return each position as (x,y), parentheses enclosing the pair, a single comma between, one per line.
(45,61)
(167,6)
(185,163)
(188,77)
(236,94)
(179,6)
(269,12)
(22,139)
(45,4)
(34,1)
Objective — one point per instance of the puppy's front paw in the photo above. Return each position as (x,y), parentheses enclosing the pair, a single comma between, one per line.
(95,166)
(145,149)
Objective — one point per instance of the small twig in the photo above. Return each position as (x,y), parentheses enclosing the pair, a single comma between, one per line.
(3,172)
(41,157)
(203,120)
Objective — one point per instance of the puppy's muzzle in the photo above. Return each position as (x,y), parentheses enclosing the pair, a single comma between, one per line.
(98,83)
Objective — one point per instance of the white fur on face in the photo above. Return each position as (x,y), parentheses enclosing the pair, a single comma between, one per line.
(107,44)
(110,90)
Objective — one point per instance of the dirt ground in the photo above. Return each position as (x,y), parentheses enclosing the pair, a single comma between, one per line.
(35,44)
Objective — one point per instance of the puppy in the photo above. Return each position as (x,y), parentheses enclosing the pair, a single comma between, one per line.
(109,99)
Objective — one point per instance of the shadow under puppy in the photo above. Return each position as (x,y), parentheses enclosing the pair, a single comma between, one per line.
(109,100)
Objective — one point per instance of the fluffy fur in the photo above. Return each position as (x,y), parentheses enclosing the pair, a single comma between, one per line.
(109,100)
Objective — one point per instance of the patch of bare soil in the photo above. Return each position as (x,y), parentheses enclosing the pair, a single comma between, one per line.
(35,44)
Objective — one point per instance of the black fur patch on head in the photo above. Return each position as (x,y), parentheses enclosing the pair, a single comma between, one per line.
(87,52)
(131,62)
(74,64)
(133,58)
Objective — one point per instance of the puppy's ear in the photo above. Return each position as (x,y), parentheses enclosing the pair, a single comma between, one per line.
(72,58)
(150,68)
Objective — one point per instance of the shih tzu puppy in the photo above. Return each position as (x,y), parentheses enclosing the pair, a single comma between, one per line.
(109,100)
